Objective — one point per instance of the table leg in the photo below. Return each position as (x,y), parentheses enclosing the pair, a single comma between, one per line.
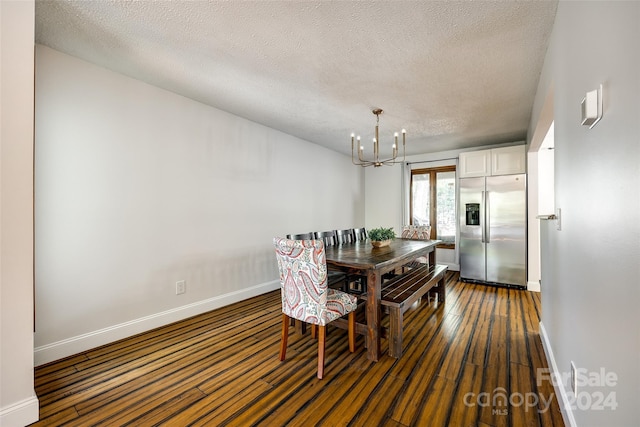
(374,287)
(432,257)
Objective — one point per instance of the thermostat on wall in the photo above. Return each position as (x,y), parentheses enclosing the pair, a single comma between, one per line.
(592,108)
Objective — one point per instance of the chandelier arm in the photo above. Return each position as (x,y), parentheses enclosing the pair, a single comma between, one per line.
(392,161)
(361,162)
(352,158)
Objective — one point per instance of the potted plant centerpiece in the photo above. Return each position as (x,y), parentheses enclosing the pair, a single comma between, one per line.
(381,236)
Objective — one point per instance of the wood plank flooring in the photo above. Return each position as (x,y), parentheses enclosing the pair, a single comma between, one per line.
(471,361)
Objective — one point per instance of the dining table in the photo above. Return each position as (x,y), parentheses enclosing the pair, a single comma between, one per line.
(361,258)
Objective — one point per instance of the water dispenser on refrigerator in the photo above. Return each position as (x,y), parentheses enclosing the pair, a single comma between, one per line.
(473,213)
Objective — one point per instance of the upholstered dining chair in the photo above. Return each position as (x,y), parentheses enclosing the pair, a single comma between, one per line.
(335,279)
(417,232)
(306,296)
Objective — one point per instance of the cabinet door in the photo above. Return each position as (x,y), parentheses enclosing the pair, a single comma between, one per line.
(508,160)
(475,164)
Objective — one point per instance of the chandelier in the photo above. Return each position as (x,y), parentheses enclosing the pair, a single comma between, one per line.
(375,162)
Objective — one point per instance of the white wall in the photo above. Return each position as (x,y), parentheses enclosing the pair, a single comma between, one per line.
(590,269)
(137,188)
(18,402)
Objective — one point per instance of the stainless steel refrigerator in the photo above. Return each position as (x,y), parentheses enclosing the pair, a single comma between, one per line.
(493,229)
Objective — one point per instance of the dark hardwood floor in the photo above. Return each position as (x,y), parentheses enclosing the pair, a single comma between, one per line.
(472,361)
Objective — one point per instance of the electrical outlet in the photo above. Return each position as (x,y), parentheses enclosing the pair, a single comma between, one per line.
(574,379)
(181,287)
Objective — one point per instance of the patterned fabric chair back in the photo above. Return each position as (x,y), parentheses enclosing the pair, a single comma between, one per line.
(303,278)
(418,232)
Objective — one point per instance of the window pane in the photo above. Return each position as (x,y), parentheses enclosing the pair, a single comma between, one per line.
(446,206)
(420,199)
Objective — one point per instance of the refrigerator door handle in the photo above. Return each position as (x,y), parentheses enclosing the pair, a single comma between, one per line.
(483,223)
(487,218)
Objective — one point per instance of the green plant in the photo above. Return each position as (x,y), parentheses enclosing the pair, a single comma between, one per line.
(379,234)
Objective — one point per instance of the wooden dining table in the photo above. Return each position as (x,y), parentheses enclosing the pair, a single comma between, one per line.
(362,258)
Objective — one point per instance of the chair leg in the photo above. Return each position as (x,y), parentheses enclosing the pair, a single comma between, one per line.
(314,331)
(321,340)
(284,337)
(352,331)
(299,326)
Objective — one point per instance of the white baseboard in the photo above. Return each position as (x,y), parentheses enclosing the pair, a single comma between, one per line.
(21,413)
(565,406)
(533,286)
(451,267)
(74,345)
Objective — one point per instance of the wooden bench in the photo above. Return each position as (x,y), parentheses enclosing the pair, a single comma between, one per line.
(399,293)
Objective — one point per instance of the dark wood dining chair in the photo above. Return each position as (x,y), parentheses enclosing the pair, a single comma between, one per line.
(360,233)
(306,295)
(301,236)
(336,279)
(345,236)
(328,237)
(355,283)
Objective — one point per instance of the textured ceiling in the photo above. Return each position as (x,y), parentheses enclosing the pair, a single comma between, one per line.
(454,74)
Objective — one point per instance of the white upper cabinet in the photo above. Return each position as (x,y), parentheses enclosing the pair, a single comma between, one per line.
(475,163)
(508,160)
(496,161)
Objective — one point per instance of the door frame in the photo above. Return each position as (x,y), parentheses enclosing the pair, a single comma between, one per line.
(542,127)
